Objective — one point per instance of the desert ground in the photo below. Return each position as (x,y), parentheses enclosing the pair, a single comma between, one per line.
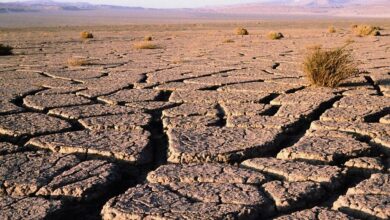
(207,125)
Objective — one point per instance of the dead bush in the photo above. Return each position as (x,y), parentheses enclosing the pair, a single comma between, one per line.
(329,67)
(366,30)
(86,35)
(241,31)
(5,50)
(148,38)
(275,35)
(331,29)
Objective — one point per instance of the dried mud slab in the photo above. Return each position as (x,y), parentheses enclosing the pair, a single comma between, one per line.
(301,111)
(85,111)
(179,86)
(28,208)
(316,213)
(130,146)
(365,165)
(151,106)
(379,133)
(250,73)
(364,206)
(225,193)
(8,107)
(216,97)
(8,148)
(205,173)
(22,174)
(131,95)
(360,92)
(293,195)
(44,102)
(302,97)
(30,124)
(85,181)
(219,144)
(369,199)
(15,90)
(325,149)
(122,122)
(58,91)
(349,114)
(191,109)
(373,102)
(331,177)
(261,121)
(248,109)
(267,87)
(377,184)
(156,201)
(216,80)
(190,122)
(100,91)
(78,75)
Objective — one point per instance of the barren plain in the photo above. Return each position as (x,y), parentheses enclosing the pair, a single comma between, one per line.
(208,125)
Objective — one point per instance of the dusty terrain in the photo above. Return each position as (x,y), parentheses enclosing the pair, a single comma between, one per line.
(196,129)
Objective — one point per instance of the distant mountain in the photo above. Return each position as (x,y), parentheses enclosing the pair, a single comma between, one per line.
(350,8)
(345,8)
(48,5)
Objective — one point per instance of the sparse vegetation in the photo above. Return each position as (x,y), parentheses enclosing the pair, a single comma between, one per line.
(78,61)
(5,50)
(146,45)
(241,31)
(228,41)
(366,30)
(329,67)
(331,29)
(148,38)
(86,35)
(275,35)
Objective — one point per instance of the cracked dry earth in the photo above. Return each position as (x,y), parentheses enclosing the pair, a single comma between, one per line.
(198,129)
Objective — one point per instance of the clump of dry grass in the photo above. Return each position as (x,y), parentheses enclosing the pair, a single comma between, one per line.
(148,38)
(328,68)
(5,50)
(78,61)
(146,45)
(241,31)
(228,41)
(331,29)
(275,35)
(366,30)
(86,35)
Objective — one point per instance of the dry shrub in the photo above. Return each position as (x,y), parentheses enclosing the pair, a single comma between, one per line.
(366,30)
(228,41)
(5,50)
(146,45)
(331,29)
(148,38)
(86,35)
(330,67)
(241,31)
(78,61)
(275,35)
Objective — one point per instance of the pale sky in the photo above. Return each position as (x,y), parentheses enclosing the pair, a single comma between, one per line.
(160,3)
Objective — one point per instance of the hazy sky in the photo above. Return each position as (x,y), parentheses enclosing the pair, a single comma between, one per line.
(160,3)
